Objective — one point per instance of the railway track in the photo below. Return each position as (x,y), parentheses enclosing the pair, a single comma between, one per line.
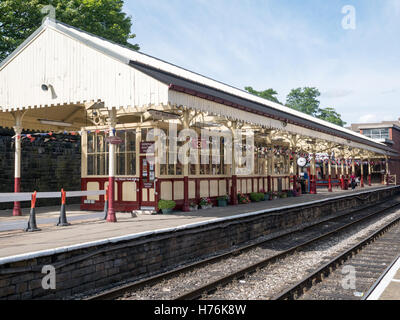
(264,253)
(365,262)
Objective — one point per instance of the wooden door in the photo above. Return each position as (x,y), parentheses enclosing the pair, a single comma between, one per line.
(147,185)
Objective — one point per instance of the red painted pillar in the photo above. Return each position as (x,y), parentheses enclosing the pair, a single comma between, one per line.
(234,197)
(269,183)
(330,183)
(295,182)
(313,176)
(111,217)
(17,168)
(17,204)
(369,180)
(312,185)
(362,181)
(185,207)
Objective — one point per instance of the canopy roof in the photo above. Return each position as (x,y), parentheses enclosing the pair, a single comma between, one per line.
(81,67)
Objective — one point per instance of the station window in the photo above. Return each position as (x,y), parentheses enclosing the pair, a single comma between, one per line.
(126,153)
(97,153)
(215,164)
(167,168)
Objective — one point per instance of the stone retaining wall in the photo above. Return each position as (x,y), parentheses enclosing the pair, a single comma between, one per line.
(82,269)
(45,166)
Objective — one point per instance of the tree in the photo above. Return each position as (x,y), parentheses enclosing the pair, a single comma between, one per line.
(20,18)
(305,100)
(330,115)
(268,94)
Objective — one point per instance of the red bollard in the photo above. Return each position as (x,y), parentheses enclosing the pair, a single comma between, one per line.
(32,217)
(62,220)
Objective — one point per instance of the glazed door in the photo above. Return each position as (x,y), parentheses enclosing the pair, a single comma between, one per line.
(147,185)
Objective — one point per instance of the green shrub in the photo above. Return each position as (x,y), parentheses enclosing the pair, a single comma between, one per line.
(257,196)
(166,204)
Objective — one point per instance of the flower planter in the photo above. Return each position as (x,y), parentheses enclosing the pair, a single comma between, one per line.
(193,208)
(208,206)
(266,197)
(222,203)
(166,211)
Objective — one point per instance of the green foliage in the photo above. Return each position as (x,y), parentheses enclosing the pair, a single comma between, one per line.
(330,115)
(305,100)
(257,196)
(166,204)
(268,94)
(104,18)
(242,198)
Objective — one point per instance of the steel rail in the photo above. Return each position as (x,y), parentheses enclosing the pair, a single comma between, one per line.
(377,282)
(321,272)
(196,293)
(119,291)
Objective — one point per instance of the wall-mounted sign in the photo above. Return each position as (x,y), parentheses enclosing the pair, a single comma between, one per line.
(145,145)
(148,185)
(301,162)
(114,140)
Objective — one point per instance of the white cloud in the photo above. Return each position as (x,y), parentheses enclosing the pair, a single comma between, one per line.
(368,118)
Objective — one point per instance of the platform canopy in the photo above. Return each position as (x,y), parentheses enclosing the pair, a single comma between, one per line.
(60,75)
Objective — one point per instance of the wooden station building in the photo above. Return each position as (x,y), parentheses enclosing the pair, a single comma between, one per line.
(64,79)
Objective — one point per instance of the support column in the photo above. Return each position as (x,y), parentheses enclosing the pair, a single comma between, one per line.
(330,175)
(313,181)
(234,193)
(186,205)
(342,183)
(17,162)
(111,217)
(336,169)
(362,173)
(294,168)
(346,184)
(369,172)
(387,170)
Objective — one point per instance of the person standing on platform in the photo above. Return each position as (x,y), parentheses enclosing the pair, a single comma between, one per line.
(353,182)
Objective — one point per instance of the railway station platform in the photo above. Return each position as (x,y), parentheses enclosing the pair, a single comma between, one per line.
(388,286)
(88,226)
(92,253)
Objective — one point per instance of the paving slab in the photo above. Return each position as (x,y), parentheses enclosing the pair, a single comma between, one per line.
(88,227)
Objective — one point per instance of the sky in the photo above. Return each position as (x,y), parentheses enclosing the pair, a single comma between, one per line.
(350,55)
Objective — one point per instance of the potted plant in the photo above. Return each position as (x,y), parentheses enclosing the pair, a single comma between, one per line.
(205,203)
(243,199)
(267,196)
(223,201)
(275,195)
(193,206)
(166,206)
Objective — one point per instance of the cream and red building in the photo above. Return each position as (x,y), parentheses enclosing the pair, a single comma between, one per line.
(64,79)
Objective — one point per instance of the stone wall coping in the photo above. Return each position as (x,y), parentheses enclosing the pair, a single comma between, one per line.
(49,252)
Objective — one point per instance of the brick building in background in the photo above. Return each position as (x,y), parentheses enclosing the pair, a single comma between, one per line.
(387,132)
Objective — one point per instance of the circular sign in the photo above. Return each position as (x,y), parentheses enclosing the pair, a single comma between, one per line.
(301,162)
